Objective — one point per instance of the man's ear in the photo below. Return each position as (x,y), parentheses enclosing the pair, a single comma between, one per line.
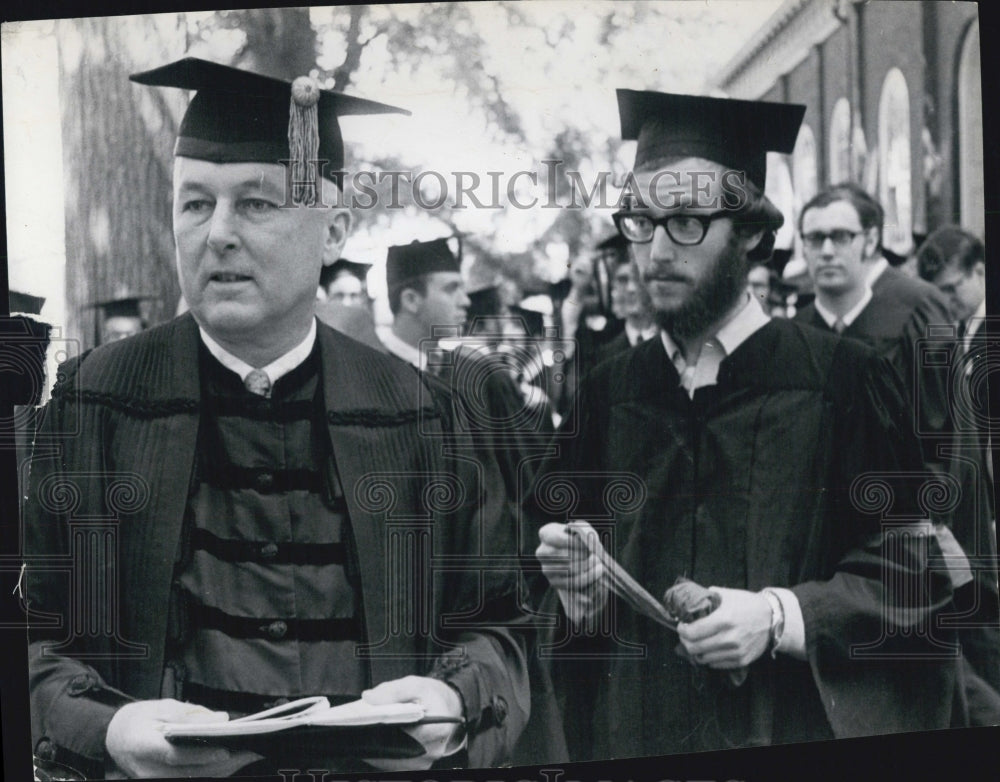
(979,270)
(410,300)
(338,224)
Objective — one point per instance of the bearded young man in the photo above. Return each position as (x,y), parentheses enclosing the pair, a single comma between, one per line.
(742,439)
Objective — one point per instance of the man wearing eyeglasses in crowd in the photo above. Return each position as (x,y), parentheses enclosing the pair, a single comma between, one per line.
(745,434)
(859,295)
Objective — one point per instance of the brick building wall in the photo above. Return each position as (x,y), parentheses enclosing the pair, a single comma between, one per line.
(922,40)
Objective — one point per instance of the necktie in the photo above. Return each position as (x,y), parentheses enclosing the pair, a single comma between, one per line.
(839,326)
(257,382)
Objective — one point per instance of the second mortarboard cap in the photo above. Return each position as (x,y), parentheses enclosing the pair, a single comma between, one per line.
(734,133)
(485,301)
(343,266)
(408,261)
(616,244)
(238,116)
(25,303)
(119,318)
(127,307)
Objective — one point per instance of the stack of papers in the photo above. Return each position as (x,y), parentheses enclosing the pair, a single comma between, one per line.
(315,711)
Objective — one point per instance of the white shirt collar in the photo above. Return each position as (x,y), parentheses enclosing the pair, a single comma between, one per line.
(749,319)
(746,319)
(850,316)
(279,367)
(403,350)
(632,334)
(876,270)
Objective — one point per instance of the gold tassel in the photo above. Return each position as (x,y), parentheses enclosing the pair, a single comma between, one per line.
(303,140)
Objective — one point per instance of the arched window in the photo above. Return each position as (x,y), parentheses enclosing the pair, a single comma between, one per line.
(840,142)
(778,189)
(805,179)
(972,207)
(805,176)
(894,189)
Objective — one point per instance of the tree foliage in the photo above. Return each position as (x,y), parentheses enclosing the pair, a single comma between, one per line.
(525,79)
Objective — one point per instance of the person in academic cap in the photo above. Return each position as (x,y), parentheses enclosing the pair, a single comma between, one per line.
(584,315)
(522,332)
(430,306)
(426,292)
(346,282)
(25,303)
(428,298)
(344,301)
(120,318)
(630,303)
(248,460)
(483,313)
(733,450)
(500,328)
(27,341)
(518,320)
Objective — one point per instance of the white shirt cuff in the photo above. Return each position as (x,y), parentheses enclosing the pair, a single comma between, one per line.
(793,639)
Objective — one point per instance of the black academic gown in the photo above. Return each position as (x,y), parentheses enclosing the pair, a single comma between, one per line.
(906,321)
(747,485)
(611,349)
(587,354)
(491,417)
(973,518)
(897,323)
(109,485)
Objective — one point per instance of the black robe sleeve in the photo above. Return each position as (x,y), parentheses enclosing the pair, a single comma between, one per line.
(878,658)
(487,665)
(71,701)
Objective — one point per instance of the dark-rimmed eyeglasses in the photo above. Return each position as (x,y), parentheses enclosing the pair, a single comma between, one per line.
(840,237)
(683,229)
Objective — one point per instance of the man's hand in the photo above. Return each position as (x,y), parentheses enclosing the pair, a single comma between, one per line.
(575,573)
(135,742)
(734,634)
(438,700)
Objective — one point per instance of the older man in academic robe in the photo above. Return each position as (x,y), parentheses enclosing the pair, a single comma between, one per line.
(243,507)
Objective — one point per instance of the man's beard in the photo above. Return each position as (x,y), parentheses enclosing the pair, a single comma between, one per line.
(711,299)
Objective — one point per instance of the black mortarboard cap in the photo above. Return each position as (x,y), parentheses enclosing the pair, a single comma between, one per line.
(122,307)
(735,133)
(125,307)
(485,301)
(408,261)
(614,242)
(559,290)
(238,116)
(614,248)
(334,270)
(25,303)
